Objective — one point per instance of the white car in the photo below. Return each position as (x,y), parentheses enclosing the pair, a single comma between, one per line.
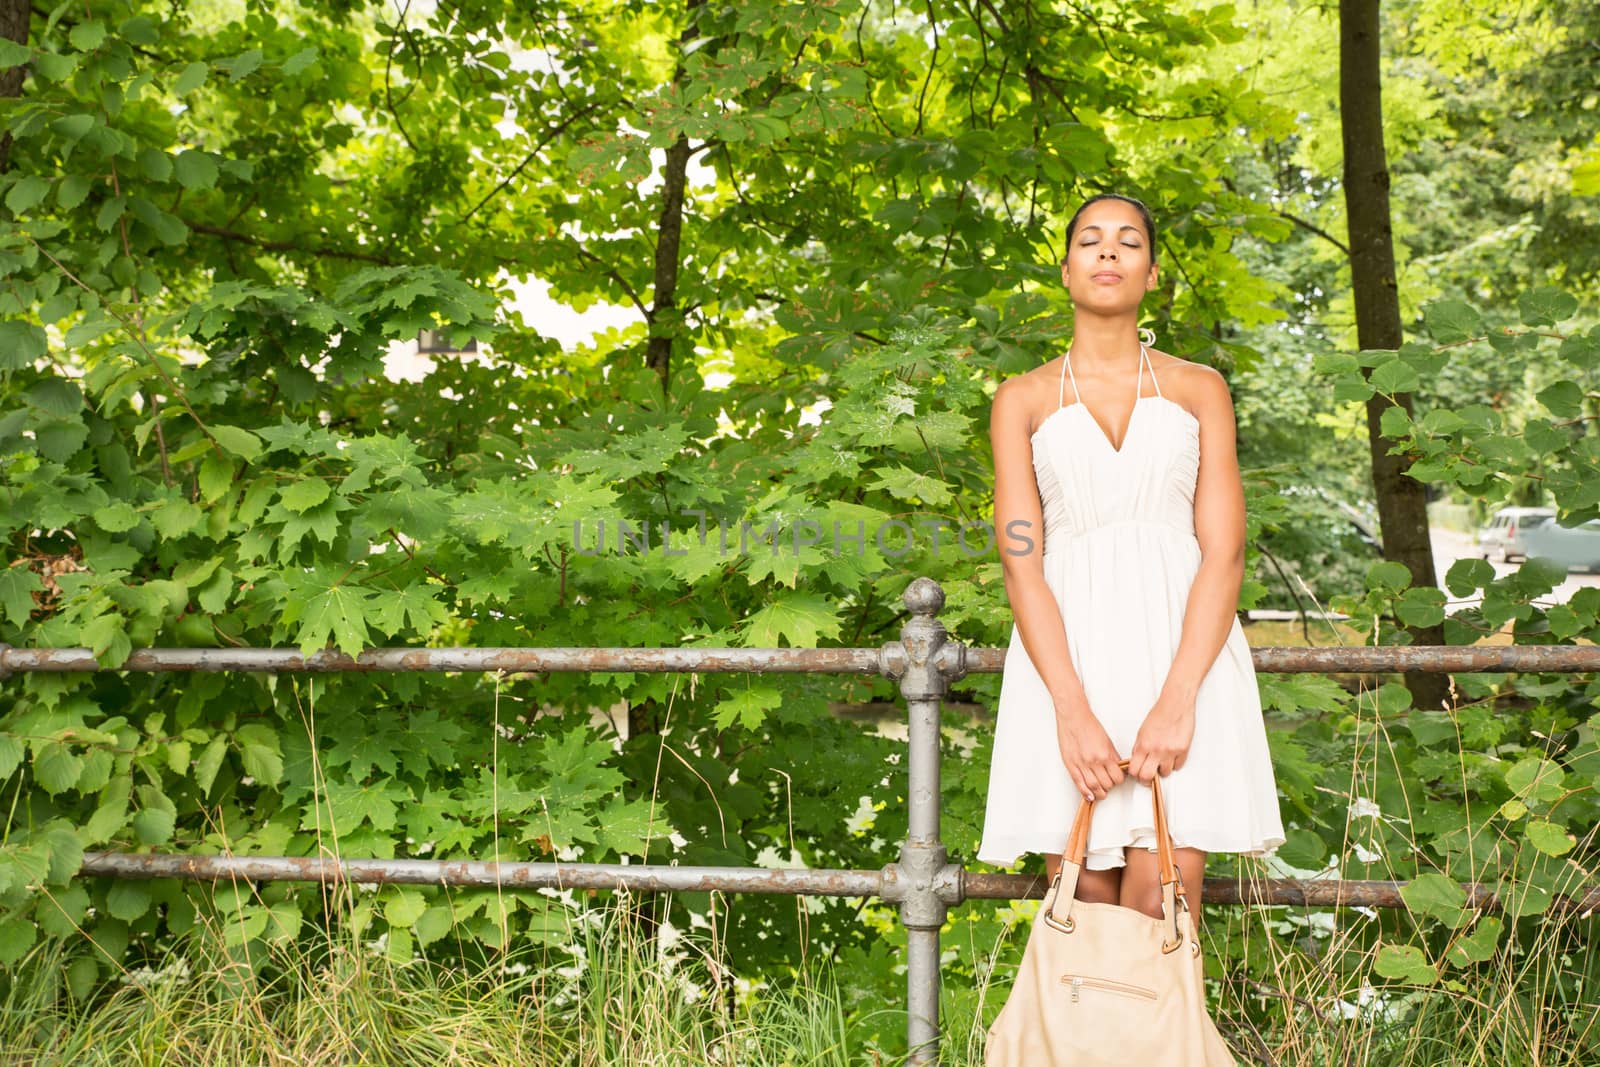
(1574,547)
(1503,537)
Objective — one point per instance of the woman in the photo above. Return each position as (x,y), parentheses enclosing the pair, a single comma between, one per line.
(1121,517)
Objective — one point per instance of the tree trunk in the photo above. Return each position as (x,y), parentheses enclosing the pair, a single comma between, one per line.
(669,237)
(1402,512)
(13,27)
(644,719)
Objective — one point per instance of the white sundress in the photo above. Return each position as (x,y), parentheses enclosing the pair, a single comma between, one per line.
(1120,555)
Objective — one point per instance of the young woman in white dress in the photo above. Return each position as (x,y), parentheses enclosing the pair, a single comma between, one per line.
(1117,464)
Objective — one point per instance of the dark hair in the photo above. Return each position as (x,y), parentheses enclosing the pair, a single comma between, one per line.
(1144,216)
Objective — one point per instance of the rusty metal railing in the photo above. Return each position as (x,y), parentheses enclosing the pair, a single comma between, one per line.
(921,881)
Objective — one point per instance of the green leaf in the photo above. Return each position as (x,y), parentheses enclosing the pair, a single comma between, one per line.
(195,169)
(210,761)
(283,921)
(87,36)
(391,609)
(243,65)
(1524,898)
(13,54)
(193,76)
(56,396)
(1536,779)
(305,494)
(1438,897)
(216,477)
(259,752)
(18,583)
(55,66)
(747,707)
(248,925)
(1450,321)
(1421,607)
(17,935)
(431,925)
(11,752)
(1479,945)
(66,854)
(82,976)
(1564,399)
(176,518)
(1545,306)
(74,127)
(350,805)
(217,592)
(20,344)
(73,190)
(153,826)
(112,814)
(339,612)
(242,443)
(128,899)
(1468,576)
(300,61)
(107,637)
(56,768)
(799,617)
(405,907)
(1549,838)
(1389,576)
(89,329)
(140,29)
(1396,376)
(116,517)
(111,210)
(1405,963)
(26,193)
(399,949)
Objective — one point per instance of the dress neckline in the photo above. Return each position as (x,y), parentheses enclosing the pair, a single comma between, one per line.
(1077,399)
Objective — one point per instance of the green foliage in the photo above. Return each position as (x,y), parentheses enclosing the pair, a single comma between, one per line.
(215,226)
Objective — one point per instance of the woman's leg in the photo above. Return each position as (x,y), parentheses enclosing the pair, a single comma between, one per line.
(1099,887)
(1141,880)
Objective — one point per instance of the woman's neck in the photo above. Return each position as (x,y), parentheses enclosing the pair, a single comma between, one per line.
(1105,342)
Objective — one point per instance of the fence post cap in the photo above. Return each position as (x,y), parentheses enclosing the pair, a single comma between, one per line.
(924,597)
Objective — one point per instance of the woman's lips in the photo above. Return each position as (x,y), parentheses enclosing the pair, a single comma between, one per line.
(1106,276)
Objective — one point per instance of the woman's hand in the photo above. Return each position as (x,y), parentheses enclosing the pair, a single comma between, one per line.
(1164,739)
(1086,750)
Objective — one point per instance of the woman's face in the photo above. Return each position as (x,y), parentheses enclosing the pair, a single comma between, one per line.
(1108,266)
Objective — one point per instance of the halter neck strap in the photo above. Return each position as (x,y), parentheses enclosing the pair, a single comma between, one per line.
(1066,369)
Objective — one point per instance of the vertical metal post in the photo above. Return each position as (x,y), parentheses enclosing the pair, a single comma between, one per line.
(928,884)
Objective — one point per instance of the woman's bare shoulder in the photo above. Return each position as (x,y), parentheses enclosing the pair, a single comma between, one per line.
(1193,386)
(1022,396)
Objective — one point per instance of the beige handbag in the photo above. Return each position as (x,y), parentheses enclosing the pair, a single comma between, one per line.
(1106,986)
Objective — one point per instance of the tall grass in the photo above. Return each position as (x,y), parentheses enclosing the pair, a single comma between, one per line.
(621,1002)
(619,999)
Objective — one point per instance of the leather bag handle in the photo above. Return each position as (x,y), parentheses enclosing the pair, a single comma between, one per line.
(1172,891)
(1078,840)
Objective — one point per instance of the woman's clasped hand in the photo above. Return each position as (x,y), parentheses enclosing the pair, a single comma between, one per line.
(1086,750)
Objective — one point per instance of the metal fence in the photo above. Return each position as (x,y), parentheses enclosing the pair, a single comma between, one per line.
(922,881)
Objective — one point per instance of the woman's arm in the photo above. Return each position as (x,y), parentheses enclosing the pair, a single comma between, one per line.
(1219,525)
(1086,750)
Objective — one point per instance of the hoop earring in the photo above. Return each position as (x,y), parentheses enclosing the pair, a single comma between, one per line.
(1147,336)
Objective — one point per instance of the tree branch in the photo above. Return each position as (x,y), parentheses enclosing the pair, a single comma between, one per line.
(286,246)
(550,135)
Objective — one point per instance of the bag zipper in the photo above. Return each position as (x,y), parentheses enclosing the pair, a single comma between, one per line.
(1078,981)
